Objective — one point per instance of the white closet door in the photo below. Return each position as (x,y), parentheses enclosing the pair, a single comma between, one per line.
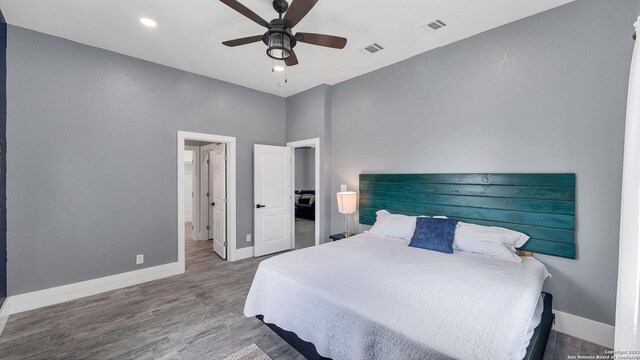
(272,199)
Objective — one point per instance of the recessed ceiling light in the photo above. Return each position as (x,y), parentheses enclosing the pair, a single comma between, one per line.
(278,68)
(148,22)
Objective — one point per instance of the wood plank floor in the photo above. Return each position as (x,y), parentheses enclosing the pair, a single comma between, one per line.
(196,315)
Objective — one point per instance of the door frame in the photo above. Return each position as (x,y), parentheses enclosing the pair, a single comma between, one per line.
(231,190)
(315,144)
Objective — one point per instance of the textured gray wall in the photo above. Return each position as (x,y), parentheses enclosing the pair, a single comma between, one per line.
(305,169)
(544,94)
(92,180)
(309,116)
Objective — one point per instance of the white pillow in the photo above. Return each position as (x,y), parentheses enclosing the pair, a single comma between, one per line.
(472,232)
(488,248)
(394,225)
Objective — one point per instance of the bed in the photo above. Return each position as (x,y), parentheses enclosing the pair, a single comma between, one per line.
(373,297)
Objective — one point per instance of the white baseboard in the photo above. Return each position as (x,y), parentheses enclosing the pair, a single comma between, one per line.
(585,329)
(60,294)
(244,253)
(5,311)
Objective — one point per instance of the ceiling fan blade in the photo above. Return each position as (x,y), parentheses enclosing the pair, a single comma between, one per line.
(335,42)
(291,60)
(243,41)
(298,10)
(246,12)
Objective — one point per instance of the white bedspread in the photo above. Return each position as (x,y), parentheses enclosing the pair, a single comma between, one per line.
(370,297)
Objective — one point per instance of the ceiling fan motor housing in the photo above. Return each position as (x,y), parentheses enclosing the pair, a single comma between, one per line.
(280,6)
(278,28)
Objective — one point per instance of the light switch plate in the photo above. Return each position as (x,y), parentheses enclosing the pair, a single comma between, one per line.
(343,187)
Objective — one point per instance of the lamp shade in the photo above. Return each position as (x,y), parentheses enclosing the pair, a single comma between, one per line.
(347,202)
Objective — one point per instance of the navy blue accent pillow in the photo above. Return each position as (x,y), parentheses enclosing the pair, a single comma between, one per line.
(434,234)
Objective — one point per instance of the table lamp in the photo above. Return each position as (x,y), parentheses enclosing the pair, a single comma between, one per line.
(347,205)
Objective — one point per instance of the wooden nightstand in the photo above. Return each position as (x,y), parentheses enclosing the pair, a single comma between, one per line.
(340,236)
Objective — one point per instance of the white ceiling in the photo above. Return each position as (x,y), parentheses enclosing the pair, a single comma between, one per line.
(190,32)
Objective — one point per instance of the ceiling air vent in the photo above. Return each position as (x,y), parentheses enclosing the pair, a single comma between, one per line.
(372,49)
(435,25)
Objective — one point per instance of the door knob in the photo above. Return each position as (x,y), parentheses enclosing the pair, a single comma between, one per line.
(260,206)
(213,204)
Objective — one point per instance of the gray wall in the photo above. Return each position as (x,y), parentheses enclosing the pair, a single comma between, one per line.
(544,94)
(92,182)
(305,169)
(309,116)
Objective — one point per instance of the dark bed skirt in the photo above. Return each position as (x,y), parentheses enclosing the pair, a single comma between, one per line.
(535,350)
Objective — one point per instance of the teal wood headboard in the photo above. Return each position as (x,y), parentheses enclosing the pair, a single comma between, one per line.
(540,205)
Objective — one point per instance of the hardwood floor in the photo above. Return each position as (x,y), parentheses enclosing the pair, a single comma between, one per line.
(196,315)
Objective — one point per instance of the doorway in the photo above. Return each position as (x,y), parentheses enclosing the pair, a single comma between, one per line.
(304,185)
(310,153)
(213,194)
(209,196)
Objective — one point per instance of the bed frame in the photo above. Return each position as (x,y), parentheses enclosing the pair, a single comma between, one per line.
(535,350)
(539,205)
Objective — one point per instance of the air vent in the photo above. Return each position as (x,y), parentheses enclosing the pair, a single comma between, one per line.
(435,25)
(372,49)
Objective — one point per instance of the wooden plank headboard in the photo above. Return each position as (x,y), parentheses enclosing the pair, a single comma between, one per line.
(539,205)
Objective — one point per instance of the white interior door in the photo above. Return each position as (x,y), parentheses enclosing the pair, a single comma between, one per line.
(272,199)
(205,231)
(210,203)
(218,174)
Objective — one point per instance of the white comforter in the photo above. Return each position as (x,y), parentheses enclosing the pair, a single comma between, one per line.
(370,297)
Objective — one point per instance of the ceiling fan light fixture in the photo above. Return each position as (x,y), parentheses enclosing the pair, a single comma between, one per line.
(279,45)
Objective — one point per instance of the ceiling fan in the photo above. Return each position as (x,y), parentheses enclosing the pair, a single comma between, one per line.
(279,37)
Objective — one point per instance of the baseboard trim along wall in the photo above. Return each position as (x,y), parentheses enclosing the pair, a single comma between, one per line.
(41,298)
(5,311)
(585,329)
(56,295)
(244,253)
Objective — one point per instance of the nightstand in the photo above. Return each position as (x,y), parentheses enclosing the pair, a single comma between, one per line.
(340,236)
